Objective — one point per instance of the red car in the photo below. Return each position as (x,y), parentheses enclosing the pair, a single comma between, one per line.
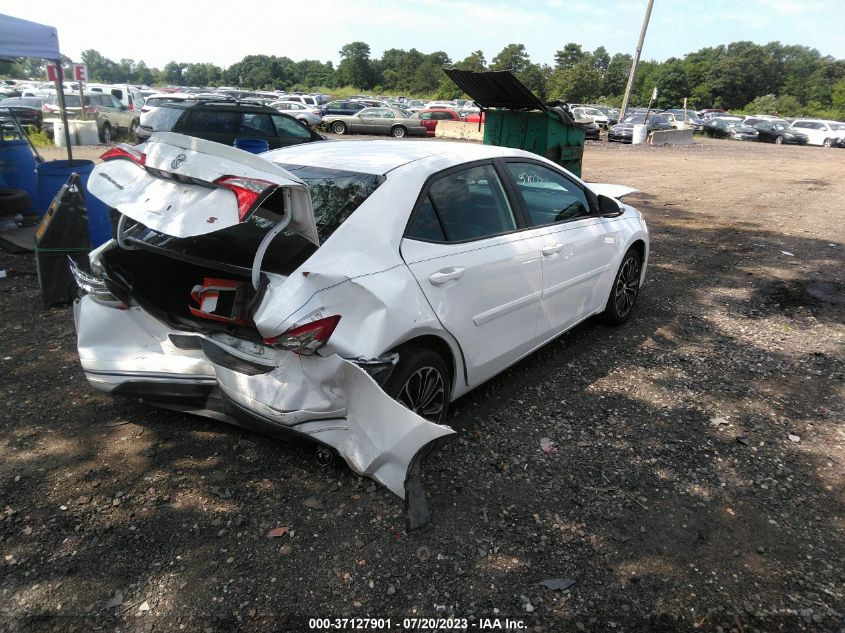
(430,116)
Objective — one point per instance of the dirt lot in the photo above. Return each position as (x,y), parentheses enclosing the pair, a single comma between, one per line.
(698,483)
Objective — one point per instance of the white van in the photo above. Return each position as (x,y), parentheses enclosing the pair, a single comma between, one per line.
(128,95)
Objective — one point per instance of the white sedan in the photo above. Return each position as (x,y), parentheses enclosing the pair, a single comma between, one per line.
(345,291)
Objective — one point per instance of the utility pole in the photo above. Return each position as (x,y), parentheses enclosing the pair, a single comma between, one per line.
(630,85)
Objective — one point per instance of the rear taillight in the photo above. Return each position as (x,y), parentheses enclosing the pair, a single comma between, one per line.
(132,107)
(126,152)
(250,192)
(306,339)
(91,109)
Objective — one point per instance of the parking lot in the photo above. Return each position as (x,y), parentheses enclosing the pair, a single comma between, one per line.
(694,479)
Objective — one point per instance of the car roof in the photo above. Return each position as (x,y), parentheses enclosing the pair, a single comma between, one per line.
(381,156)
(222,104)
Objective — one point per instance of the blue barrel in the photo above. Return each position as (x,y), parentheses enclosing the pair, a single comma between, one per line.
(253,145)
(51,175)
(17,167)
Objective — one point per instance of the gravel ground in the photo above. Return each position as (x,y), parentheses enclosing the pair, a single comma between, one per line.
(696,480)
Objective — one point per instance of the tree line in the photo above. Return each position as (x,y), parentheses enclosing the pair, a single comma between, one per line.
(789,79)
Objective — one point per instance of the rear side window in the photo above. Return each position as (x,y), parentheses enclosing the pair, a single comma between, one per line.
(213,122)
(117,93)
(289,128)
(469,204)
(164,119)
(549,197)
(335,194)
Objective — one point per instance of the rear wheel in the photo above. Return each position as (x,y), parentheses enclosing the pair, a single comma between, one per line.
(626,287)
(398,132)
(827,143)
(338,127)
(105,135)
(779,140)
(420,382)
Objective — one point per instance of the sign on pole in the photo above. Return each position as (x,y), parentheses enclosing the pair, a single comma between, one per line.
(52,73)
(80,72)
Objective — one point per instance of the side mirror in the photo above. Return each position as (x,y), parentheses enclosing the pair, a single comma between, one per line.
(609,208)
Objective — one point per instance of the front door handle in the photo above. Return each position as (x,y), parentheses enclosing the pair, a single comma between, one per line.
(551,249)
(447,274)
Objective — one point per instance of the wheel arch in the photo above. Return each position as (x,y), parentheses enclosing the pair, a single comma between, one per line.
(441,347)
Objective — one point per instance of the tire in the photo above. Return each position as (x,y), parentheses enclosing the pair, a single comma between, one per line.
(421,383)
(13,201)
(339,127)
(132,127)
(827,143)
(398,132)
(624,291)
(779,140)
(105,135)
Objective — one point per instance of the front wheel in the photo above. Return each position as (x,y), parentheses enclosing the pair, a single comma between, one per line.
(827,143)
(420,382)
(626,287)
(338,127)
(398,132)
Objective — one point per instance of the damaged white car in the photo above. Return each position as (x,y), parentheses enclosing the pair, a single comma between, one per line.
(343,291)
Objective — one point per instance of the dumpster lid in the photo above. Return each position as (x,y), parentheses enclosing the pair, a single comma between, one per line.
(495,89)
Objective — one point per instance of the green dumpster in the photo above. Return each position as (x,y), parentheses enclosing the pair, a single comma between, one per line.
(542,133)
(515,117)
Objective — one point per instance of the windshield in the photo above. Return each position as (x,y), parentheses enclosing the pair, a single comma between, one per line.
(163,119)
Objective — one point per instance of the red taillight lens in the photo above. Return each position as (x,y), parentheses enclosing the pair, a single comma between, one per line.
(249,191)
(132,107)
(306,339)
(125,152)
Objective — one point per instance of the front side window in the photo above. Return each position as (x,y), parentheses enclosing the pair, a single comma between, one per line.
(257,124)
(469,204)
(549,197)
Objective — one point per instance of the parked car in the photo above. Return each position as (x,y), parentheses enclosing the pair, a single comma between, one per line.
(409,274)
(152,102)
(820,132)
(592,114)
(225,121)
(778,132)
(391,121)
(128,95)
(429,118)
(730,127)
(301,112)
(592,131)
(113,118)
(624,132)
(341,107)
(27,110)
(304,99)
(684,120)
(709,113)
(413,105)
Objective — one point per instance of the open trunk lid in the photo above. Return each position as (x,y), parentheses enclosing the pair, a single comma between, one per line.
(185,187)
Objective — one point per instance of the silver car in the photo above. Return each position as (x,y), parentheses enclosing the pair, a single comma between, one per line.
(301,112)
(391,121)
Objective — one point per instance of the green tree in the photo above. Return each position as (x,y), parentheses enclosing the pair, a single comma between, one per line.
(616,76)
(355,68)
(512,57)
(569,56)
(575,85)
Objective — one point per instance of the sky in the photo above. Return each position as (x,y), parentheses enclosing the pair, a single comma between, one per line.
(223,31)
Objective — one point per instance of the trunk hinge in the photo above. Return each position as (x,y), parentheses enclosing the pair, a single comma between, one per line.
(265,243)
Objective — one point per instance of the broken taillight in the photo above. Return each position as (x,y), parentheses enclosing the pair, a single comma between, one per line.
(127,152)
(306,339)
(95,287)
(250,192)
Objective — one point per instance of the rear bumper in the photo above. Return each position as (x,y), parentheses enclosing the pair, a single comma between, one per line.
(328,400)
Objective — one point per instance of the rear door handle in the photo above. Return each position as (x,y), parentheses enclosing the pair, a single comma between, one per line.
(551,249)
(447,274)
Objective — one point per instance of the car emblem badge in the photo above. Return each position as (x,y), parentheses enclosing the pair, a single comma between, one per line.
(177,162)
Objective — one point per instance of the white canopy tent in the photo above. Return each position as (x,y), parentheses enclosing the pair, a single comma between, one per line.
(22,38)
